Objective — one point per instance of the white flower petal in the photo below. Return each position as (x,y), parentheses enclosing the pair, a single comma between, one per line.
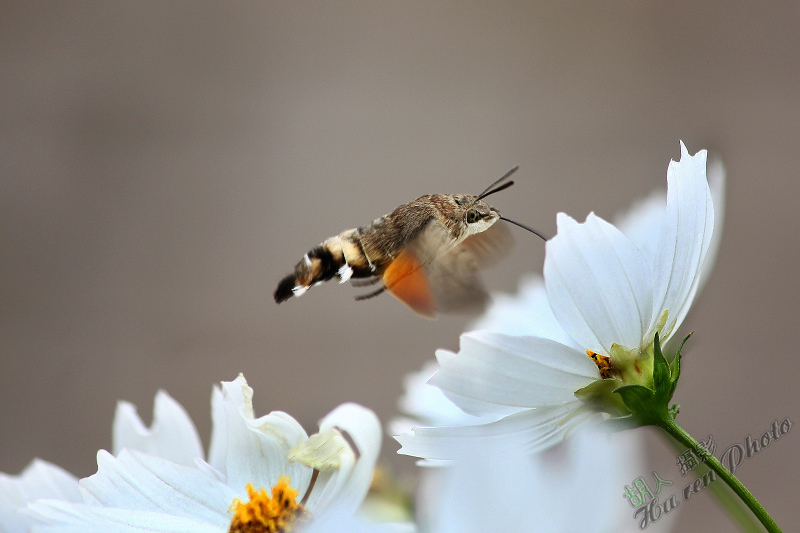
(536,428)
(218,444)
(248,450)
(645,218)
(346,489)
(39,479)
(511,371)
(171,436)
(684,240)
(338,523)
(428,404)
(643,221)
(468,403)
(344,523)
(274,433)
(716,182)
(137,481)
(525,313)
(598,284)
(63,517)
(574,487)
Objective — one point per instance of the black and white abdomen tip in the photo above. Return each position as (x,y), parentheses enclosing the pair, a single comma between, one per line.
(285,289)
(318,265)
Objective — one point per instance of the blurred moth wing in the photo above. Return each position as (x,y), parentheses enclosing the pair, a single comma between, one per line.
(431,276)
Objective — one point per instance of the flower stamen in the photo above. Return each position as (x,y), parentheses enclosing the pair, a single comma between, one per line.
(265,514)
(603,363)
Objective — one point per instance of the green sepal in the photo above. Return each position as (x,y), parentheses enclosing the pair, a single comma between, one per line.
(662,382)
(636,397)
(666,375)
(600,396)
(675,369)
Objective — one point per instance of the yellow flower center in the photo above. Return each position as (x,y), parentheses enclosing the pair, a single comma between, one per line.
(603,363)
(265,514)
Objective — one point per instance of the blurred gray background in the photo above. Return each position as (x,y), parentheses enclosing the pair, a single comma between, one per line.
(162,165)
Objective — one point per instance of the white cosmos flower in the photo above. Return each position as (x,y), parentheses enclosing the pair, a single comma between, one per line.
(320,480)
(40,479)
(574,486)
(608,293)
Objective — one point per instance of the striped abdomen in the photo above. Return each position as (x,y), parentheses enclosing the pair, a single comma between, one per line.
(364,252)
(342,256)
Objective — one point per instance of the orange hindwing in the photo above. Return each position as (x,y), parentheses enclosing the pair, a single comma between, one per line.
(405,279)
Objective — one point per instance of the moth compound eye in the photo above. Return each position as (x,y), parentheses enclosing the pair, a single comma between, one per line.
(472,216)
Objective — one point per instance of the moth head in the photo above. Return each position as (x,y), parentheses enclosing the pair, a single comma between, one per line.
(479,216)
(476,215)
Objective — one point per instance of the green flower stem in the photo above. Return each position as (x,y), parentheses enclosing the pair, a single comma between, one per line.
(667,423)
(649,406)
(725,498)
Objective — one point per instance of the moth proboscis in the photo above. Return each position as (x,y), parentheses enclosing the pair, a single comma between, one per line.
(426,253)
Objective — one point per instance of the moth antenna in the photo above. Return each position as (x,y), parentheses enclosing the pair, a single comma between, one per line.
(487,192)
(523,226)
(498,189)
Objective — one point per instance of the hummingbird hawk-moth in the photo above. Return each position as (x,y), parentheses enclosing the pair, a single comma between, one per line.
(426,253)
